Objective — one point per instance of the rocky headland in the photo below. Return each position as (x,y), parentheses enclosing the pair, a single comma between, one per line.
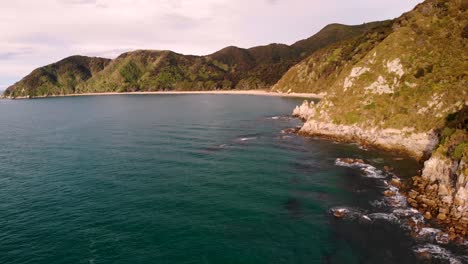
(401,88)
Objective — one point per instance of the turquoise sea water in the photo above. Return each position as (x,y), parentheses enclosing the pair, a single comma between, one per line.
(182,179)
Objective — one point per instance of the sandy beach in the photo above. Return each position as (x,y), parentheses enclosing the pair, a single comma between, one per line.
(235,92)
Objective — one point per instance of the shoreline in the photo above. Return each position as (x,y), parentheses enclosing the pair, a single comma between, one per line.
(433,193)
(419,145)
(216,92)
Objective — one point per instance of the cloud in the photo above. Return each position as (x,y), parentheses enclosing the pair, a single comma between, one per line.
(36,33)
(79,2)
(14,54)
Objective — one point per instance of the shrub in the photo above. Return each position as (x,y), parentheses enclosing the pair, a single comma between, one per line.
(131,72)
(460,150)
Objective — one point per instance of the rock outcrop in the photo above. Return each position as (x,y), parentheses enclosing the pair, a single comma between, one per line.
(442,189)
(406,140)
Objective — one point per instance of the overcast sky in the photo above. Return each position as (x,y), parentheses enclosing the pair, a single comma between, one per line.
(35,33)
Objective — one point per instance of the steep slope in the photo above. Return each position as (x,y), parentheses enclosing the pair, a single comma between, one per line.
(410,81)
(402,93)
(229,68)
(263,66)
(157,70)
(331,34)
(58,78)
(441,192)
(320,70)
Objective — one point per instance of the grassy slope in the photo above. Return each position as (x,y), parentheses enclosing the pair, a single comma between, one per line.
(320,70)
(420,67)
(229,68)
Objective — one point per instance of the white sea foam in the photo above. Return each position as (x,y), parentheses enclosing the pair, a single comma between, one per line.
(247,138)
(407,212)
(368,170)
(383,216)
(346,212)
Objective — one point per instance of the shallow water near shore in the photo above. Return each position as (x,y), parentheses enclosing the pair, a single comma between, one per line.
(188,179)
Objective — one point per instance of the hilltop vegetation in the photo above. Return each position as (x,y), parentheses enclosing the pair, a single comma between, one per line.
(58,78)
(146,70)
(411,73)
(317,73)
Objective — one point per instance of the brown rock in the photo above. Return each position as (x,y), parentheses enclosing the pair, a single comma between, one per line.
(443,190)
(389,193)
(340,213)
(443,210)
(432,188)
(396,183)
(428,215)
(458,202)
(292,130)
(413,194)
(429,202)
(441,216)
(452,235)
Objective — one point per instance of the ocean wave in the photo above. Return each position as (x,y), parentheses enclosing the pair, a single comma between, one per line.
(406,212)
(281,118)
(409,219)
(384,216)
(368,170)
(243,139)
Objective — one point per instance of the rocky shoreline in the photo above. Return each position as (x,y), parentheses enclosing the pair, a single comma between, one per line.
(418,145)
(439,194)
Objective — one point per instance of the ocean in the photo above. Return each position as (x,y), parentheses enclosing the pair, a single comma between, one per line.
(187,179)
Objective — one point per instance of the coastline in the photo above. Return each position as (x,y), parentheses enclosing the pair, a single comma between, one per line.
(231,92)
(438,193)
(418,145)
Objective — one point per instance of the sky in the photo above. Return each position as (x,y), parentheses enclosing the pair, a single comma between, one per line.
(36,33)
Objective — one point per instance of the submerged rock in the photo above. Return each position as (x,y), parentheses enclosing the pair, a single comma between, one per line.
(292,130)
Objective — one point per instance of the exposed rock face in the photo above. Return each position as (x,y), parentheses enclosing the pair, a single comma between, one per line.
(417,144)
(442,189)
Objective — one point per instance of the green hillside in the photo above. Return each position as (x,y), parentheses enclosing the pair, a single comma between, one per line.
(58,78)
(411,73)
(147,70)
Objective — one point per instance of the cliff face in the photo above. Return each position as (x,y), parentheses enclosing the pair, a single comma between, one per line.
(149,70)
(442,189)
(405,140)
